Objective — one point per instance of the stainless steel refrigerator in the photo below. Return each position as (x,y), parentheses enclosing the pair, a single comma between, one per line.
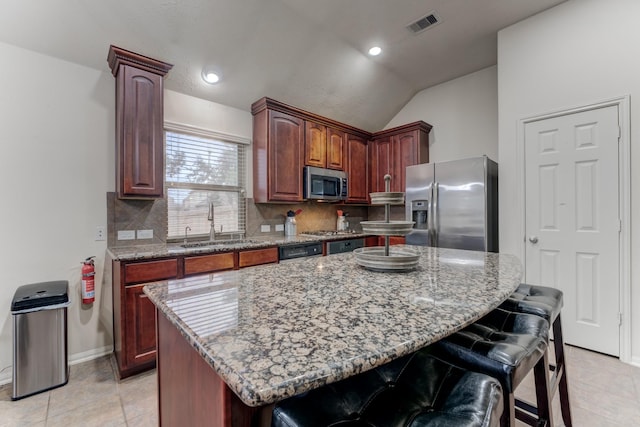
(454,204)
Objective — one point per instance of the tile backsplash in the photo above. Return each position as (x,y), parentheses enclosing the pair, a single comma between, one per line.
(134,215)
(314,216)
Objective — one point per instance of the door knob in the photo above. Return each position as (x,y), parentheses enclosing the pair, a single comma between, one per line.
(533,239)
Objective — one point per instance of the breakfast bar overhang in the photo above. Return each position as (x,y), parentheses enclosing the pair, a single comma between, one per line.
(231,343)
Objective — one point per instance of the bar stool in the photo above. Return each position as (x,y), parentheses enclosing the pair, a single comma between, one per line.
(547,303)
(418,390)
(507,345)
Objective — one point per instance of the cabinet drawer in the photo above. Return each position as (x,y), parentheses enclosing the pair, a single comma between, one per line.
(208,263)
(257,257)
(150,271)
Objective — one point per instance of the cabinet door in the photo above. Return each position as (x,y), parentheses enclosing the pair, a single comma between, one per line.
(336,149)
(357,191)
(257,257)
(140,161)
(208,263)
(140,327)
(315,145)
(149,271)
(405,153)
(286,154)
(380,163)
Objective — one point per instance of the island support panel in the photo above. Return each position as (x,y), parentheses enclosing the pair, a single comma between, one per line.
(189,390)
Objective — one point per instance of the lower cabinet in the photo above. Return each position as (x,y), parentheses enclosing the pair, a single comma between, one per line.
(257,257)
(134,323)
(140,328)
(134,320)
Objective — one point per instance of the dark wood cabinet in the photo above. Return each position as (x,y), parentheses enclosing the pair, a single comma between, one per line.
(336,143)
(315,145)
(140,328)
(253,257)
(285,139)
(392,150)
(278,155)
(133,313)
(358,188)
(208,263)
(324,146)
(134,321)
(139,123)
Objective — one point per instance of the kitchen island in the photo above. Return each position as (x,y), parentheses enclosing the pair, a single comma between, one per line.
(232,342)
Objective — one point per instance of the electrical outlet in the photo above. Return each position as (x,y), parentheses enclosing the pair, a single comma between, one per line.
(279,227)
(126,234)
(101,233)
(144,234)
(265,228)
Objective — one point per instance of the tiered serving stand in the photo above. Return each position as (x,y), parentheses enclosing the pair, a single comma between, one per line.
(381,258)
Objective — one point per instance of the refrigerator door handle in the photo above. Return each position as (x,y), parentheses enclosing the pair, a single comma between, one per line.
(434,215)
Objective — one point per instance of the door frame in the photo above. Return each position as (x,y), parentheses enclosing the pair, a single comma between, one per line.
(624,182)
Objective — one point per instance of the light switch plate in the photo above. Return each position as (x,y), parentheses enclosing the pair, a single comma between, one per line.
(279,227)
(126,235)
(144,234)
(265,228)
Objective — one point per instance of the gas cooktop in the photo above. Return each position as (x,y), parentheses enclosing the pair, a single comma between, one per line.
(328,233)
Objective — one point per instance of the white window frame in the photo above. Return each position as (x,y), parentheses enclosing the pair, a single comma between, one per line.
(240,189)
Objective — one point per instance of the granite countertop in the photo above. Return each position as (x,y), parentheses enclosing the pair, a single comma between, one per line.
(278,330)
(137,252)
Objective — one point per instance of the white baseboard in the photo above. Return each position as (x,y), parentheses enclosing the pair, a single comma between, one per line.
(635,361)
(74,359)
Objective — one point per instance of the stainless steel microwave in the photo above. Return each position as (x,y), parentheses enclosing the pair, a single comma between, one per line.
(324,184)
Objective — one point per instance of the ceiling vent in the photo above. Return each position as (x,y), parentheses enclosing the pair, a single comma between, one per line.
(423,23)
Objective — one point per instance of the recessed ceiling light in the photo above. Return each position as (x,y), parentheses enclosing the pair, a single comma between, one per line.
(375,51)
(209,76)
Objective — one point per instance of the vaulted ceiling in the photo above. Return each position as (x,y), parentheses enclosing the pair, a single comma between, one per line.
(307,53)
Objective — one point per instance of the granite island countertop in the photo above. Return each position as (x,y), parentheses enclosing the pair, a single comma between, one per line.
(277,330)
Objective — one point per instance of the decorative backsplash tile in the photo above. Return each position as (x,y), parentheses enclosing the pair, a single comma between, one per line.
(133,215)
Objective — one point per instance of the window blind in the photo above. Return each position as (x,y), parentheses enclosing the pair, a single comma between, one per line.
(202,168)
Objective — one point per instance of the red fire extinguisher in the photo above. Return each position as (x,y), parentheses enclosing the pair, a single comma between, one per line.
(88,281)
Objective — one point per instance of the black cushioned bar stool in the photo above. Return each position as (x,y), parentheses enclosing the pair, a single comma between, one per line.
(417,390)
(507,345)
(547,303)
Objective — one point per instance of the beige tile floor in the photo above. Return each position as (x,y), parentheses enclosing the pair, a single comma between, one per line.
(604,393)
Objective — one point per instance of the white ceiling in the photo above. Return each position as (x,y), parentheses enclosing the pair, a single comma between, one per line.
(307,53)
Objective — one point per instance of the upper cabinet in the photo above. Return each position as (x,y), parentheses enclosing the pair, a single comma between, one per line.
(357,183)
(315,145)
(324,146)
(278,153)
(392,150)
(139,123)
(336,143)
(285,139)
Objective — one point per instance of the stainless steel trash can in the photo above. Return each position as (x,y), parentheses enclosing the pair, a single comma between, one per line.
(40,359)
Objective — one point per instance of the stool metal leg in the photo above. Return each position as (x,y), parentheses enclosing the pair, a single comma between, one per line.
(561,373)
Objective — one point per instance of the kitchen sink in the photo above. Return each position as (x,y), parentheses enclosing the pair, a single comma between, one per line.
(209,243)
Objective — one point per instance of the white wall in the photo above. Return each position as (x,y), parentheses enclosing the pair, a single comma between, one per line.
(57,163)
(578,53)
(463,113)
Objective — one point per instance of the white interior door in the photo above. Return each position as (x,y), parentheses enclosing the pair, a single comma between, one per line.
(572,221)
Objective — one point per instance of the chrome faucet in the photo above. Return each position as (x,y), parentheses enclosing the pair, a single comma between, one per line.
(212,230)
(186,230)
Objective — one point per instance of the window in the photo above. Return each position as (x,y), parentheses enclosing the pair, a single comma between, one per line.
(203,167)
